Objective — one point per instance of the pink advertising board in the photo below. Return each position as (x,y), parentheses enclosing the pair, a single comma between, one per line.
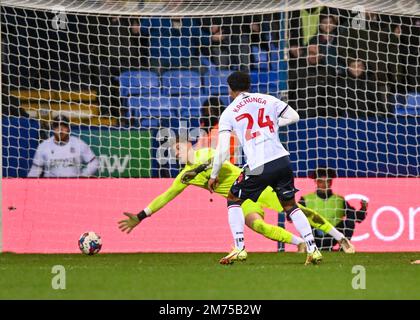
(48,216)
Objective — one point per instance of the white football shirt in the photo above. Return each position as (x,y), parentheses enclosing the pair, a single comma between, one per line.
(65,160)
(253,117)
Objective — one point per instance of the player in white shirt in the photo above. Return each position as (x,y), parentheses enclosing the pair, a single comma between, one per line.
(63,155)
(256,118)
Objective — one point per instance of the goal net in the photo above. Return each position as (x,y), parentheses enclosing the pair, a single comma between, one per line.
(131,76)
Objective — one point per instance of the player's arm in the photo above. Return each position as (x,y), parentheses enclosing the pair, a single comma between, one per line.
(89,158)
(286,114)
(37,165)
(222,150)
(221,155)
(157,203)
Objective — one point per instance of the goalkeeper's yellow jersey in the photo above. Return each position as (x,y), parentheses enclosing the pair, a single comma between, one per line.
(227,176)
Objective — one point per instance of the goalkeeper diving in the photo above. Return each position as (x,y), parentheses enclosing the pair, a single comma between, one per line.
(197,173)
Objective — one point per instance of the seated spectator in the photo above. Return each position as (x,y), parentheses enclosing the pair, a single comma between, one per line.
(260,44)
(63,155)
(357,95)
(229,44)
(174,42)
(408,32)
(303,25)
(210,113)
(300,32)
(314,84)
(332,207)
(120,47)
(326,39)
(376,44)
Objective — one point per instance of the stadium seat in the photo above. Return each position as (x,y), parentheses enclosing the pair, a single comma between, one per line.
(187,106)
(181,83)
(139,83)
(189,123)
(215,82)
(265,82)
(226,100)
(149,123)
(274,58)
(408,106)
(261,58)
(205,62)
(155,109)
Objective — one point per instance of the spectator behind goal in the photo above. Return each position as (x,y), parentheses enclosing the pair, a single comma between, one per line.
(332,207)
(63,155)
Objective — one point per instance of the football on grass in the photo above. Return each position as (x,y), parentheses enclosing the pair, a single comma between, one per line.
(90,243)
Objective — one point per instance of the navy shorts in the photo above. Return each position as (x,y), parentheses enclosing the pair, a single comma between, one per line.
(277,173)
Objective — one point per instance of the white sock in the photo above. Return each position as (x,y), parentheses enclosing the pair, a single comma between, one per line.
(296,240)
(302,225)
(237,225)
(337,235)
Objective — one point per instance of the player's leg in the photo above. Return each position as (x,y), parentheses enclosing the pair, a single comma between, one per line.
(317,221)
(345,227)
(237,226)
(302,225)
(254,219)
(249,186)
(283,184)
(268,199)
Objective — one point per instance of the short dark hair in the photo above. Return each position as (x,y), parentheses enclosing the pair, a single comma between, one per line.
(323,172)
(239,81)
(60,121)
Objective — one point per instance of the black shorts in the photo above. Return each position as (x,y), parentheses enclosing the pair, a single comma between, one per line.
(277,173)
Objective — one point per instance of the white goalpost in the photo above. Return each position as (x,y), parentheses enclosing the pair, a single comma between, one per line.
(132,75)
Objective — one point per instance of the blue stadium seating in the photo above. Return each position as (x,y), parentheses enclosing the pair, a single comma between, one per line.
(409,105)
(141,82)
(261,58)
(187,106)
(205,62)
(149,111)
(20,139)
(181,83)
(215,81)
(265,82)
(279,65)
(226,99)
(274,58)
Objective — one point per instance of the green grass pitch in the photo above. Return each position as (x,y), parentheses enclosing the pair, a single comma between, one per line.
(199,276)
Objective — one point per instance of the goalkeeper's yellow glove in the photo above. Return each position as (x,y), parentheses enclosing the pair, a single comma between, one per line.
(133,221)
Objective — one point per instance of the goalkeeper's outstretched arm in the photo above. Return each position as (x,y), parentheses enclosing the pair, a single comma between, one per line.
(158,203)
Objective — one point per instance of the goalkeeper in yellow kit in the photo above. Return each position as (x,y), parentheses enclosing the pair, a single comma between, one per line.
(197,172)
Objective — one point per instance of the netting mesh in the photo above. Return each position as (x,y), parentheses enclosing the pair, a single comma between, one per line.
(160,67)
(216,7)
(132,75)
